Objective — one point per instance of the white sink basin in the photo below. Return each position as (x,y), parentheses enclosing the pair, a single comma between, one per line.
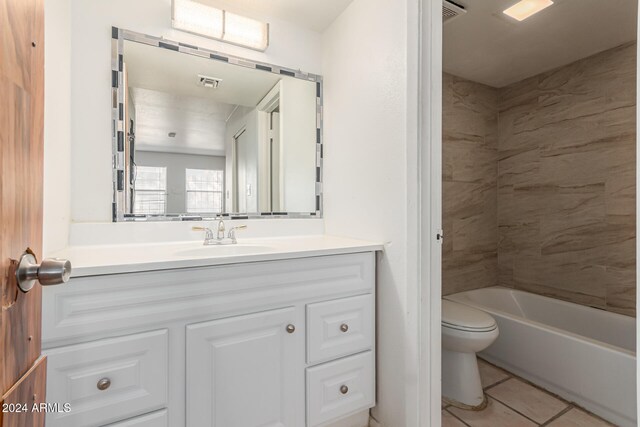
(222,250)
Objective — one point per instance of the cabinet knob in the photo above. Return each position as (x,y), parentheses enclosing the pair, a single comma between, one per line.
(291,328)
(104,384)
(344,327)
(344,389)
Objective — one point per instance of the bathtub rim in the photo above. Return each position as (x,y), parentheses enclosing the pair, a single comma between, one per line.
(539,325)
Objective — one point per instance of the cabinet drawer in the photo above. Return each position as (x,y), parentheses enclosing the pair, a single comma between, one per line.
(339,328)
(155,419)
(133,371)
(340,388)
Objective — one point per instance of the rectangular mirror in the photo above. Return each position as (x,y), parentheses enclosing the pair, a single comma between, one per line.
(198,133)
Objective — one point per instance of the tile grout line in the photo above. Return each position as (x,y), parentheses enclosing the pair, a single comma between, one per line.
(518,412)
(569,405)
(504,380)
(517,378)
(456,417)
(555,417)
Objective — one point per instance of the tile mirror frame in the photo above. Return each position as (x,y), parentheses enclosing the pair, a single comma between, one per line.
(118,126)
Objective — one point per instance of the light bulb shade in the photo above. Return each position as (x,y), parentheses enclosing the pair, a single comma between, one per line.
(198,18)
(526,8)
(245,31)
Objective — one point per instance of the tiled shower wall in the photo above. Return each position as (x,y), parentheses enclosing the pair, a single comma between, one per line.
(470,176)
(565,184)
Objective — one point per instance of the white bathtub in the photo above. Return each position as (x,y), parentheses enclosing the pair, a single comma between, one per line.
(581,353)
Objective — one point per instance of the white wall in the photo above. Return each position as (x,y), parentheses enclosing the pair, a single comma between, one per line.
(176,165)
(85,54)
(57,125)
(367,59)
(370,181)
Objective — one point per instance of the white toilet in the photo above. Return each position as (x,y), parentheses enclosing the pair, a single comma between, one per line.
(465,331)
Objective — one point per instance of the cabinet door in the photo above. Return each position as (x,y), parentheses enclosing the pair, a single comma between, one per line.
(247,371)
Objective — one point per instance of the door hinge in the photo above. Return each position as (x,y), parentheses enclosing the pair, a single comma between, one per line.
(440,236)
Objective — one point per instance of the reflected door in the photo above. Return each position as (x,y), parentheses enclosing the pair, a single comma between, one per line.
(242,187)
(276,182)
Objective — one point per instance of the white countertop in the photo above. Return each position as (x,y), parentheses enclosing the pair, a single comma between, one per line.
(113,259)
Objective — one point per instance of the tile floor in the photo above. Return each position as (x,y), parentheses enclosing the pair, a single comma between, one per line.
(513,402)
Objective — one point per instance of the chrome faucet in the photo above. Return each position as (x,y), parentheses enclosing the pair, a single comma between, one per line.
(220,228)
(219,238)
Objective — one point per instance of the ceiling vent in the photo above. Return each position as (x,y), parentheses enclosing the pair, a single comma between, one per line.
(209,82)
(451,10)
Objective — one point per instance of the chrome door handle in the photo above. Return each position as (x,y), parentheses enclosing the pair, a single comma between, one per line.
(51,271)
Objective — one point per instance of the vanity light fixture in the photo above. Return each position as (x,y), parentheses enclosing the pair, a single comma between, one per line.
(526,8)
(198,18)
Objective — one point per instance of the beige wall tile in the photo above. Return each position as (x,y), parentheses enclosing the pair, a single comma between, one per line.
(470,174)
(539,182)
(462,271)
(566,150)
(621,299)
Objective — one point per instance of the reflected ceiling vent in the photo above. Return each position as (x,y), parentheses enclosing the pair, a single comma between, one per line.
(451,10)
(209,82)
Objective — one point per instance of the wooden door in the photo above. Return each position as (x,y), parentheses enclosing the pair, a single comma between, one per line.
(22,369)
(247,371)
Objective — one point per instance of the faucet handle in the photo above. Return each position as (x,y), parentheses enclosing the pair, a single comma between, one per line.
(208,234)
(232,232)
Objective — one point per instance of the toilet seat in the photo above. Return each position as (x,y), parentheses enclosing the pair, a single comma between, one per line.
(465,318)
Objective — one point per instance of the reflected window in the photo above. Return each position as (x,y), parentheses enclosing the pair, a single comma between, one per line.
(150,190)
(204,190)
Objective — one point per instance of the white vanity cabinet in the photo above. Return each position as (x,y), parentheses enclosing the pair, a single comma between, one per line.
(285,343)
(245,370)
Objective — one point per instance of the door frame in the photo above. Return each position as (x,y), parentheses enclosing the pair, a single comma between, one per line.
(430,307)
(637,220)
(234,165)
(430,219)
(265,107)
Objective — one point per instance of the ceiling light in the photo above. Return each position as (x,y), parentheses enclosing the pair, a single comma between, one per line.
(526,8)
(209,82)
(198,18)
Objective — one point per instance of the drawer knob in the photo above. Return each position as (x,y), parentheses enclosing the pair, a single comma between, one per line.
(344,389)
(344,327)
(291,328)
(104,384)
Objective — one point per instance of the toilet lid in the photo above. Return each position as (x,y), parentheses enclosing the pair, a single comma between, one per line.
(466,318)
